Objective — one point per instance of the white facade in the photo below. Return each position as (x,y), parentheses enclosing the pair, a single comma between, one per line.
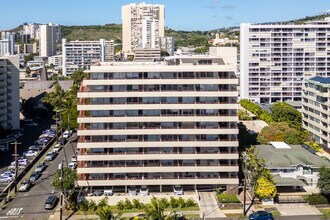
(275,59)
(7,44)
(31,29)
(81,54)
(315,109)
(159,124)
(56,61)
(142,24)
(167,44)
(9,92)
(47,40)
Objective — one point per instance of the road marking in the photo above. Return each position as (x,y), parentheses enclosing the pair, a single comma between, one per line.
(14,211)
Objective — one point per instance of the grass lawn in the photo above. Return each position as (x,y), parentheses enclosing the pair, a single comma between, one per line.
(325,211)
(276,213)
(227,198)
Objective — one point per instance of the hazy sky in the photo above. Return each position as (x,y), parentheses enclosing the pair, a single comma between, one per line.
(179,14)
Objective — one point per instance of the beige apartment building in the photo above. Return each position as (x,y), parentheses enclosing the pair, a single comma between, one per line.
(159,124)
(142,24)
(315,109)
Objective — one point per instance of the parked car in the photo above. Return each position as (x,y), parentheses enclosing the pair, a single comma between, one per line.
(144,191)
(72,165)
(61,141)
(7,173)
(25,186)
(31,124)
(53,127)
(35,176)
(31,153)
(57,148)
(108,191)
(51,202)
(5,179)
(20,166)
(66,134)
(132,191)
(22,160)
(178,190)
(261,215)
(3,147)
(42,141)
(179,216)
(35,148)
(74,159)
(50,156)
(41,167)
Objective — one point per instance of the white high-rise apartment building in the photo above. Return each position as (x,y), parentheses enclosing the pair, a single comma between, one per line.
(315,109)
(143,24)
(275,59)
(47,40)
(7,44)
(9,92)
(32,29)
(81,54)
(159,124)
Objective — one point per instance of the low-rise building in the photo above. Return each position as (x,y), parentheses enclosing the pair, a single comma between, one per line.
(316,106)
(147,54)
(292,165)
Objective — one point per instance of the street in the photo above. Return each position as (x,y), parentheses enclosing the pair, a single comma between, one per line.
(29,136)
(30,205)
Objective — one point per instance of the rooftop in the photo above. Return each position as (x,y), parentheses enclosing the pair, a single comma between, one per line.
(288,157)
(320,79)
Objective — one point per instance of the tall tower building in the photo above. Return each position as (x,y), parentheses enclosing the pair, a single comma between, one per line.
(276,59)
(48,38)
(143,24)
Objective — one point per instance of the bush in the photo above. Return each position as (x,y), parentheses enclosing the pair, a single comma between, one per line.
(191,203)
(243,115)
(257,111)
(83,206)
(137,204)
(181,202)
(228,198)
(128,204)
(165,202)
(317,199)
(92,207)
(173,202)
(120,205)
(103,202)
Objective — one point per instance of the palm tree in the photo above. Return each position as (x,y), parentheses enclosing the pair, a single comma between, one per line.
(155,210)
(55,98)
(105,213)
(69,105)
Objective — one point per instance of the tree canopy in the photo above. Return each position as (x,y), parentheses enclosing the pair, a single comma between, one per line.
(324,180)
(283,112)
(265,188)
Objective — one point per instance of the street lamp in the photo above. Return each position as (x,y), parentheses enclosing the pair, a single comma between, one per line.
(60,167)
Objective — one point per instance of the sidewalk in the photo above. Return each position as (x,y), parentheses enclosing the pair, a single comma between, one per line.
(209,206)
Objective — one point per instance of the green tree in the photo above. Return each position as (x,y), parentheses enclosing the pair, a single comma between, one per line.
(78,76)
(69,179)
(105,213)
(280,131)
(155,210)
(27,71)
(69,110)
(265,188)
(55,98)
(283,112)
(243,115)
(254,166)
(324,181)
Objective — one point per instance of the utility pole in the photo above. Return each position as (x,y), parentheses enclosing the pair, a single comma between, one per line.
(16,164)
(60,166)
(56,120)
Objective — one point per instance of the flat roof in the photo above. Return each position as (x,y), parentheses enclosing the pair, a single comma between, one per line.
(320,79)
(280,145)
(284,157)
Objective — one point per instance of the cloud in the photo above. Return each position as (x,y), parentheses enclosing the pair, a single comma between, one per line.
(228,7)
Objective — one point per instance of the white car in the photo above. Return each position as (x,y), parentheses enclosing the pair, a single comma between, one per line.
(132,191)
(20,166)
(178,190)
(74,159)
(50,156)
(23,160)
(57,148)
(72,165)
(31,153)
(7,173)
(144,191)
(66,134)
(25,186)
(5,179)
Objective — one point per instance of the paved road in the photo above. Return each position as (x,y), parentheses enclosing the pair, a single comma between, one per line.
(30,205)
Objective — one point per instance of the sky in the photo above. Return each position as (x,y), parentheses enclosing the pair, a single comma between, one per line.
(179,14)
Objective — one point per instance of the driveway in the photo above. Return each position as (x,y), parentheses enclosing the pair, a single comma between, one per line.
(297,209)
(209,206)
